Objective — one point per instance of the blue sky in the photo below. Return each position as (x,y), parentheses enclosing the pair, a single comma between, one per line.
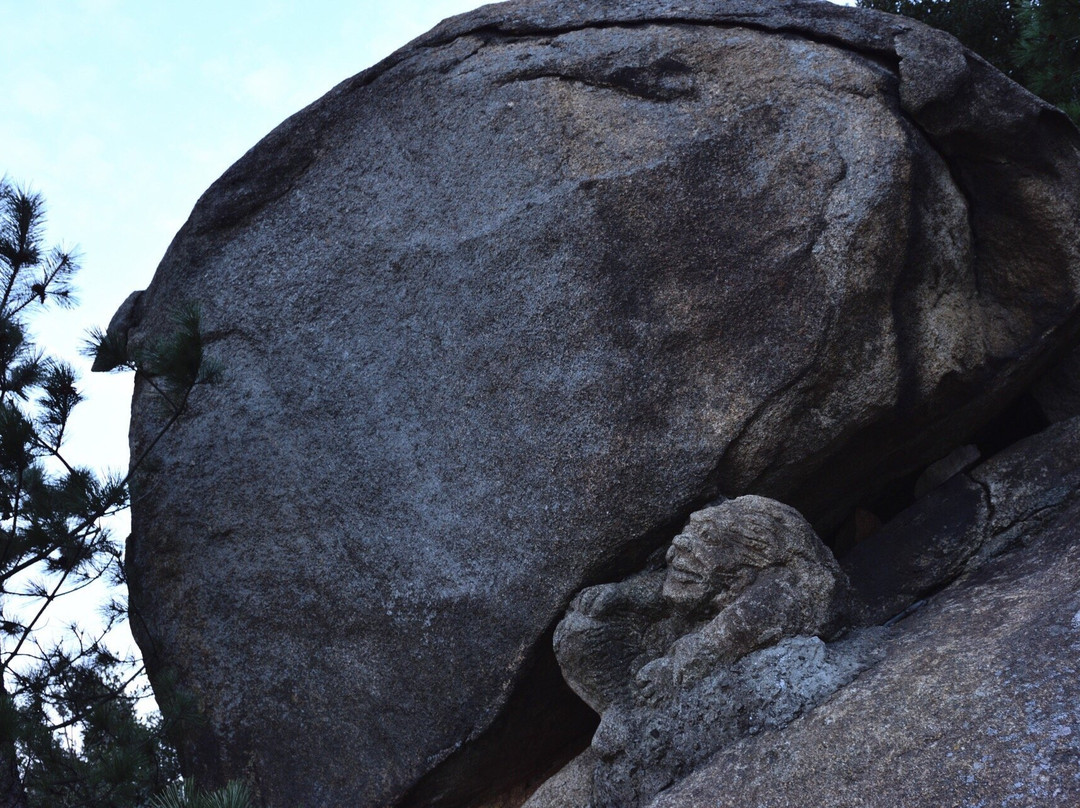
(122,112)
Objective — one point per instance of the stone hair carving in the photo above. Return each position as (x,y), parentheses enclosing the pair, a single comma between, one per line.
(732,627)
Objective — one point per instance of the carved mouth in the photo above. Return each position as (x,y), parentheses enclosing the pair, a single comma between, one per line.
(683,573)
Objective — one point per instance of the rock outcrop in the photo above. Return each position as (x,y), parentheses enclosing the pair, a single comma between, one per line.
(977,515)
(499,313)
(968,696)
(975,702)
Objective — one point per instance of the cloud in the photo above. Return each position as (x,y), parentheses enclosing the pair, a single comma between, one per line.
(267,85)
(35,94)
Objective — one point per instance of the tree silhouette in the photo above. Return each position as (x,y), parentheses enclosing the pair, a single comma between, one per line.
(69,731)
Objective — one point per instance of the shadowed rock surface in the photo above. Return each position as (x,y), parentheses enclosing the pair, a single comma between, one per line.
(498,313)
(1058,391)
(974,516)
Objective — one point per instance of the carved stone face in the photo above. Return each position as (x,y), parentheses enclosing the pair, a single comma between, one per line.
(700,562)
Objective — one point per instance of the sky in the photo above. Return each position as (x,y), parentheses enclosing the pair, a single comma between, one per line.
(122,112)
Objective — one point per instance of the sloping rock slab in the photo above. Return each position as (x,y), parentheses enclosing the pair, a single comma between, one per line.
(499,312)
(976,703)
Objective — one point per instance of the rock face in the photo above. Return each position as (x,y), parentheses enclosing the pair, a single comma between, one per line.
(640,750)
(968,698)
(974,704)
(500,312)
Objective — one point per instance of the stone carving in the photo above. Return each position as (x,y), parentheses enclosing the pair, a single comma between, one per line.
(721,642)
(740,576)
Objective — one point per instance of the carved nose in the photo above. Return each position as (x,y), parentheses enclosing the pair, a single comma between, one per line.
(677,544)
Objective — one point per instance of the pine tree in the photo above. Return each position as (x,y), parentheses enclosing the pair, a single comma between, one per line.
(186,795)
(1048,53)
(1033,42)
(69,732)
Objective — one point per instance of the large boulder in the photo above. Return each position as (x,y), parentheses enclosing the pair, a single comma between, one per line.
(499,312)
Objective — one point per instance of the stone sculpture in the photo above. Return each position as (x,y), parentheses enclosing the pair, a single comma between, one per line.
(726,639)
(741,575)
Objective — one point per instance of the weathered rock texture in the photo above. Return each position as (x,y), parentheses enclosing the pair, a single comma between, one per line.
(498,313)
(976,702)
(641,749)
